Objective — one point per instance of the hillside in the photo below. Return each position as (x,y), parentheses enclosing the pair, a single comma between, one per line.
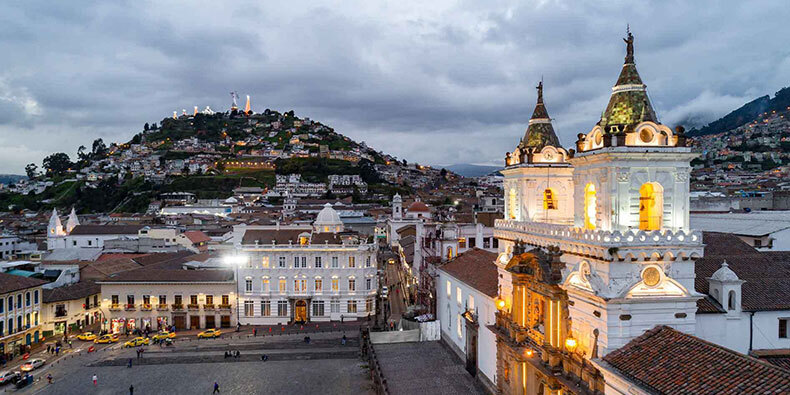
(470,170)
(747,113)
(210,154)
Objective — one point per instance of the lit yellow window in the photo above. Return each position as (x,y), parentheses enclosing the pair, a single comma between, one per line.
(590,202)
(549,199)
(335,285)
(265,262)
(651,206)
(282,285)
(511,206)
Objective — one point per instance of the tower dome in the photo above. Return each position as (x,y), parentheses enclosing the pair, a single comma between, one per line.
(540,132)
(328,220)
(725,274)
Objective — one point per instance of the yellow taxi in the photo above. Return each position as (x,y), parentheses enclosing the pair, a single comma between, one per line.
(137,341)
(107,339)
(164,335)
(87,336)
(210,333)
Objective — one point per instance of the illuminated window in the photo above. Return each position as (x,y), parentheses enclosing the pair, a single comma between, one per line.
(335,285)
(459,327)
(319,284)
(265,284)
(471,303)
(303,240)
(549,199)
(265,262)
(590,202)
(352,284)
(462,242)
(283,284)
(651,206)
(458,297)
(351,261)
(352,306)
(449,289)
(511,206)
(449,253)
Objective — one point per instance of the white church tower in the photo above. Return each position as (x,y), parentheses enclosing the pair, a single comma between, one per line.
(397,207)
(72,222)
(626,245)
(55,231)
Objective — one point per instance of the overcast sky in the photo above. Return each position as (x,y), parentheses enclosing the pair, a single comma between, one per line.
(437,82)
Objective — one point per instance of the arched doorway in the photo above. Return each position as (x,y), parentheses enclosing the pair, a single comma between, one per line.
(590,202)
(300,311)
(651,206)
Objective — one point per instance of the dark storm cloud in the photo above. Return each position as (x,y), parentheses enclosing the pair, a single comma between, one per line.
(434,82)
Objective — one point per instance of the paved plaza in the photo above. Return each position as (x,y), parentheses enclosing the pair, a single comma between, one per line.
(191,367)
(436,371)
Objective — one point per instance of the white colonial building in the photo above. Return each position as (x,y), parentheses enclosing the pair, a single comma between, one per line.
(299,273)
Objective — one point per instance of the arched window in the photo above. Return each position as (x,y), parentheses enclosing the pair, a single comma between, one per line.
(651,206)
(511,206)
(549,199)
(449,253)
(590,203)
(731,303)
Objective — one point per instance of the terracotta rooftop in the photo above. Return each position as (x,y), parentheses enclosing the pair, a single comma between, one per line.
(79,290)
(667,361)
(157,275)
(766,274)
(11,283)
(475,268)
(418,207)
(196,236)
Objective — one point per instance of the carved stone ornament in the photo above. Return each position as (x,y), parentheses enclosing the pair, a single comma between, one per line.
(681,176)
(623,175)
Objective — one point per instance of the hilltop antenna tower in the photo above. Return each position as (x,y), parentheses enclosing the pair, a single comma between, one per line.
(247,109)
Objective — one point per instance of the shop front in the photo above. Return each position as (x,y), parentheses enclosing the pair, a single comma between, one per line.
(60,328)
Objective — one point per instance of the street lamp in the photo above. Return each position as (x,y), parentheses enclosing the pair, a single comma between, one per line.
(236,260)
(571,343)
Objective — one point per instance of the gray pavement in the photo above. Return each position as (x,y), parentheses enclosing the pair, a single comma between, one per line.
(192,367)
(423,368)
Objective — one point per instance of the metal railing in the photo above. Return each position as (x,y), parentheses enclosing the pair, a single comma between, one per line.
(367,353)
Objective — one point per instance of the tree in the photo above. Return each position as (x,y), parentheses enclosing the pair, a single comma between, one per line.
(154,127)
(30,170)
(81,153)
(99,149)
(146,127)
(443,172)
(57,163)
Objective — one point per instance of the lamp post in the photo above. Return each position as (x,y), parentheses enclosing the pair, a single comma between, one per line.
(571,343)
(236,260)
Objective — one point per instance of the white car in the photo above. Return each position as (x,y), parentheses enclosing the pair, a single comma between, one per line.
(32,364)
(384,291)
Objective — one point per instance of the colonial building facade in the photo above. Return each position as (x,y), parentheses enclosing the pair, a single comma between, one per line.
(595,246)
(300,273)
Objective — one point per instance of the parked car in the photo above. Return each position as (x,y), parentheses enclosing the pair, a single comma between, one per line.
(8,376)
(107,339)
(210,333)
(32,364)
(24,381)
(87,336)
(385,292)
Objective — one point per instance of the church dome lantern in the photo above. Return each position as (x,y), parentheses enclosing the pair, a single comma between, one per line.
(328,220)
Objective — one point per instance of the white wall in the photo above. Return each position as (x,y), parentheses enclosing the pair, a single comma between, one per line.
(449,307)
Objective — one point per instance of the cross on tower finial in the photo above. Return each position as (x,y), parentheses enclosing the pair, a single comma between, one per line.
(540,90)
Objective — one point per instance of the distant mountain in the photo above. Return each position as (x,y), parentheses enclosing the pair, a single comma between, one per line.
(470,170)
(747,113)
(6,179)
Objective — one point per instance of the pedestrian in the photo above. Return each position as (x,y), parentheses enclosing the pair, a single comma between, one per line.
(70,344)
(343,341)
(216,388)
(130,363)
(226,354)
(131,390)
(48,348)
(57,351)
(95,380)
(49,378)
(341,318)
(254,332)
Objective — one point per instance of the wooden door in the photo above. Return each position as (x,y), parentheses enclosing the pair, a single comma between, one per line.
(194,322)
(210,322)
(180,322)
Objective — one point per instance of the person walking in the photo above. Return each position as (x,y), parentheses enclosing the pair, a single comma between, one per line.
(131,390)
(95,380)
(130,363)
(49,378)
(216,388)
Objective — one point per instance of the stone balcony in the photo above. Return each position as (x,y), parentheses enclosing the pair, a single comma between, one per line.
(193,307)
(630,244)
(208,306)
(162,307)
(224,307)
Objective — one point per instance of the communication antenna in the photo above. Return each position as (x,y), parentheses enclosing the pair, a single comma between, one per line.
(234,96)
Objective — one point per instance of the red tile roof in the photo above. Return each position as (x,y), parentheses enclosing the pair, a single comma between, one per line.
(475,268)
(11,283)
(767,274)
(196,236)
(667,361)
